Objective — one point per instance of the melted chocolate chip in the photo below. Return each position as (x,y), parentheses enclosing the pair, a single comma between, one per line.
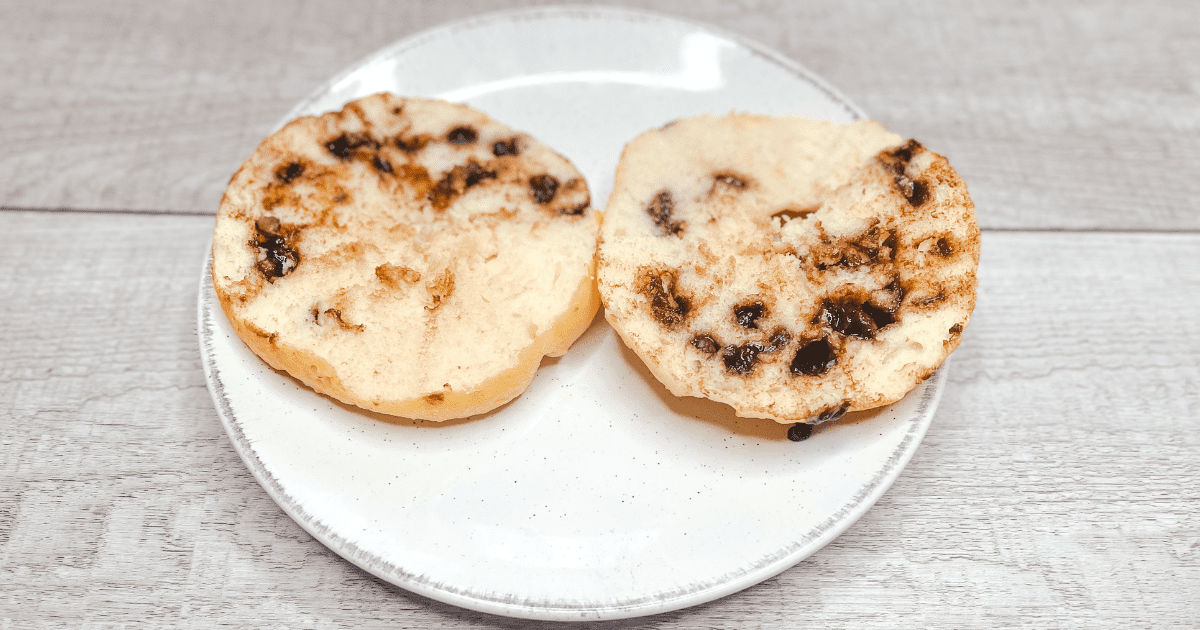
(575,210)
(848,318)
(943,248)
(381,164)
(474,173)
(456,181)
(287,173)
(799,432)
(344,145)
(814,358)
(918,193)
(280,258)
(543,188)
(706,344)
(667,306)
(956,329)
(660,210)
(462,135)
(742,359)
(833,413)
(903,154)
(881,317)
(502,148)
(747,315)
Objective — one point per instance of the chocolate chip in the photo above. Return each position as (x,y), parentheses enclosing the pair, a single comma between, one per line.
(880,317)
(660,209)
(956,329)
(502,148)
(742,359)
(848,318)
(747,315)
(543,188)
(287,173)
(706,344)
(799,432)
(344,145)
(474,173)
(814,358)
(666,304)
(462,135)
(279,257)
(943,248)
(381,164)
(575,210)
(918,193)
(833,413)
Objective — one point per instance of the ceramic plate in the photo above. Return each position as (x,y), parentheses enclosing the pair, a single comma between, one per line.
(596,494)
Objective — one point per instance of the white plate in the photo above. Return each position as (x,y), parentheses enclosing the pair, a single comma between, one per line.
(596,494)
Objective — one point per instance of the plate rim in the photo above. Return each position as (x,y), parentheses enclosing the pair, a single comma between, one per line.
(753,573)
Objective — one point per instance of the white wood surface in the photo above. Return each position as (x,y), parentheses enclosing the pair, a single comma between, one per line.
(151,105)
(1059,486)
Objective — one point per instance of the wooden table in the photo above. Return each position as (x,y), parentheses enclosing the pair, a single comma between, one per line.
(1059,486)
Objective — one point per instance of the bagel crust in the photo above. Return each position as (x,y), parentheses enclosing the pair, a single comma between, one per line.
(793,269)
(409,256)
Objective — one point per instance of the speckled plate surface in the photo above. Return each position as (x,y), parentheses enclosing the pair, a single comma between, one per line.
(596,494)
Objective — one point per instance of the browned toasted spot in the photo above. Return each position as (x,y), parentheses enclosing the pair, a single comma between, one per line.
(336,314)
(795,213)
(660,209)
(728,182)
(543,188)
(412,143)
(778,340)
(396,276)
(928,300)
(440,289)
(667,304)
(276,195)
(462,135)
(436,399)
(417,178)
(956,329)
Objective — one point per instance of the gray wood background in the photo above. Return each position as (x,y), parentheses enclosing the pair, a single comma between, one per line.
(1058,487)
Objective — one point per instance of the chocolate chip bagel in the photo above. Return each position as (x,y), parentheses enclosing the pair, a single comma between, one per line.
(409,256)
(793,269)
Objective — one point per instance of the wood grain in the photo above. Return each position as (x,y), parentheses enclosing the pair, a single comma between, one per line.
(1057,487)
(1059,115)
